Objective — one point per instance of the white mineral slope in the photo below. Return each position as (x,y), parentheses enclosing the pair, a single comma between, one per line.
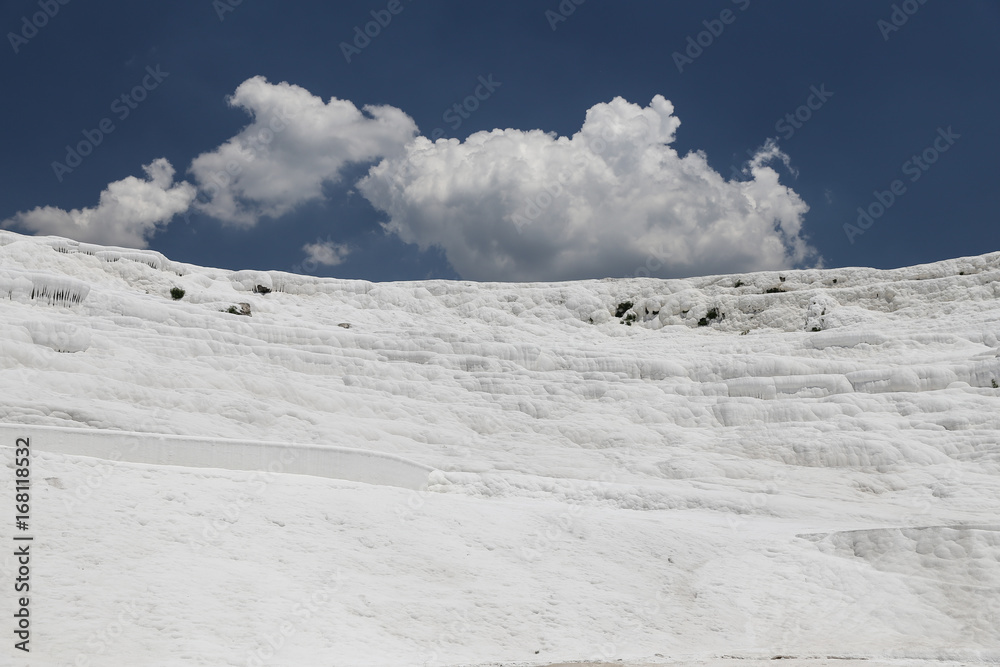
(813,474)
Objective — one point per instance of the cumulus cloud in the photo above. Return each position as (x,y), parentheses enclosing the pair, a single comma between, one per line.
(128,213)
(612,200)
(326,252)
(294,144)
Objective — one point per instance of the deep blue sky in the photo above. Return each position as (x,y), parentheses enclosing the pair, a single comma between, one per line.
(890,96)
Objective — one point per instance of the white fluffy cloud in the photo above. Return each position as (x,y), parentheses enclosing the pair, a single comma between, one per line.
(614,199)
(326,252)
(128,213)
(294,145)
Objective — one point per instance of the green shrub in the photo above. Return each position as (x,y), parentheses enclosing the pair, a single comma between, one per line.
(177,293)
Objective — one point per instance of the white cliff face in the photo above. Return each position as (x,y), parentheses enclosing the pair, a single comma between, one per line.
(806,464)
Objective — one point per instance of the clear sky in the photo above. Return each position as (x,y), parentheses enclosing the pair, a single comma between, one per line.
(581,139)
